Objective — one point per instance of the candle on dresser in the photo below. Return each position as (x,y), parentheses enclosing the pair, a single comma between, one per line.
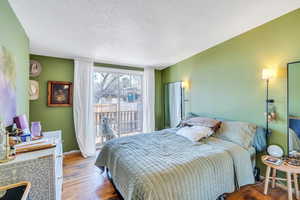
(36,129)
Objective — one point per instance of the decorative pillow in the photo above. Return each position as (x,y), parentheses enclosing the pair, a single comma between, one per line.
(241,133)
(195,133)
(202,121)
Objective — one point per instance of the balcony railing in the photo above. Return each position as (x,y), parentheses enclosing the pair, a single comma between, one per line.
(122,123)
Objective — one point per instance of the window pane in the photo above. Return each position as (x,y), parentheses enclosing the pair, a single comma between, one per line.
(118,99)
(105,102)
(130,104)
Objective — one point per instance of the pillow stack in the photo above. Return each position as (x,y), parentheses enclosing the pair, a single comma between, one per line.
(195,133)
(202,121)
(241,133)
(197,128)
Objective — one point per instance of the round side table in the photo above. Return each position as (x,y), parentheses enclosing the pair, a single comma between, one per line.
(290,171)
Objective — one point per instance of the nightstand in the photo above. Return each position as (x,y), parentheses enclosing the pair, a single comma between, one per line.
(291,171)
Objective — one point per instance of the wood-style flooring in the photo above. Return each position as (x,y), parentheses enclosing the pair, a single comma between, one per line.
(83,181)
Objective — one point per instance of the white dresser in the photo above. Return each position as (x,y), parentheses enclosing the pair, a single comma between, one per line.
(42,168)
(58,170)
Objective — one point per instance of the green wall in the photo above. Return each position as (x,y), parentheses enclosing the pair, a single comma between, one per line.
(54,118)
(14,39)
(226,79)
(294,89)
(159,106)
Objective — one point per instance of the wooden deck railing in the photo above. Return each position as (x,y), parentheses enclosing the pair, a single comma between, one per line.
(128,122)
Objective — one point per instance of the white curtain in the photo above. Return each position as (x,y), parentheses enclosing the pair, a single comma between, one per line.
(175,97)
(83,107)
(148,100)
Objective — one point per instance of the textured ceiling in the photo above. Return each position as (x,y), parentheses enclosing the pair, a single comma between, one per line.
(139,32)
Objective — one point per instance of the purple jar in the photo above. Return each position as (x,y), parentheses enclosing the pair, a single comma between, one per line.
(36,129)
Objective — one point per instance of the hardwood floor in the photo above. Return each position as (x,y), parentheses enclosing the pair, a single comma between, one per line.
(83,181)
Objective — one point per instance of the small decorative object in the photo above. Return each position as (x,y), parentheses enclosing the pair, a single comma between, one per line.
(25,137)
(294,162)
(60,93)
(21,122)
(4,145)
(13,131)
(271,112)
(35,68)
(33,90)
(294,154)
(274,161)
(275,151)
(36,129)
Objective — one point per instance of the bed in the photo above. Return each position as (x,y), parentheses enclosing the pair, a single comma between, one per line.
(163,165)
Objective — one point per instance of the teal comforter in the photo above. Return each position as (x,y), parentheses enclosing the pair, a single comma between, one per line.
(166,166)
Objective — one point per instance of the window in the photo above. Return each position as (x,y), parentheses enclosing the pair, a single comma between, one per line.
(118,102)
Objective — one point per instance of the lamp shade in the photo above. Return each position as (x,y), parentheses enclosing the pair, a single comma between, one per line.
(267,74)
(186,84)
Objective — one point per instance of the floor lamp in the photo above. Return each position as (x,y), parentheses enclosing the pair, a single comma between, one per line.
(268,74)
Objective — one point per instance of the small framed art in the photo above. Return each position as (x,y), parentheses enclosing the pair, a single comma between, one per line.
(60,93)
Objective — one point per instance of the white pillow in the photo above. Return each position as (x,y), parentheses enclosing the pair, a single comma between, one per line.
(195,133)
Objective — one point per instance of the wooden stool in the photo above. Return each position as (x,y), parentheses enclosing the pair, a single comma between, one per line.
(291,171)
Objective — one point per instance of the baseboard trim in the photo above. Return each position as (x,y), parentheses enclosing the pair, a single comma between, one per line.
(68,153)
(71,152)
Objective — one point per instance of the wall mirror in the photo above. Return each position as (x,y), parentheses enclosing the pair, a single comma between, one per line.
(173,101)
(293,106)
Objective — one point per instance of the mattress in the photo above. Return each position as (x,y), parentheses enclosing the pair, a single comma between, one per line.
(163,165)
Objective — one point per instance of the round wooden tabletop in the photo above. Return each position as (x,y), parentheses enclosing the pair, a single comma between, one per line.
(285,167)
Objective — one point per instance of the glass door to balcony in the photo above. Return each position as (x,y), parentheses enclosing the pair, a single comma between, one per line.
(118,105)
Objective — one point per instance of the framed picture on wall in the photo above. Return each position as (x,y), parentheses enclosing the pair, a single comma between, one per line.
(60,93)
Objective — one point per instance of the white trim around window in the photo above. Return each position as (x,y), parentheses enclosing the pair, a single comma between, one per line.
(122,71)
